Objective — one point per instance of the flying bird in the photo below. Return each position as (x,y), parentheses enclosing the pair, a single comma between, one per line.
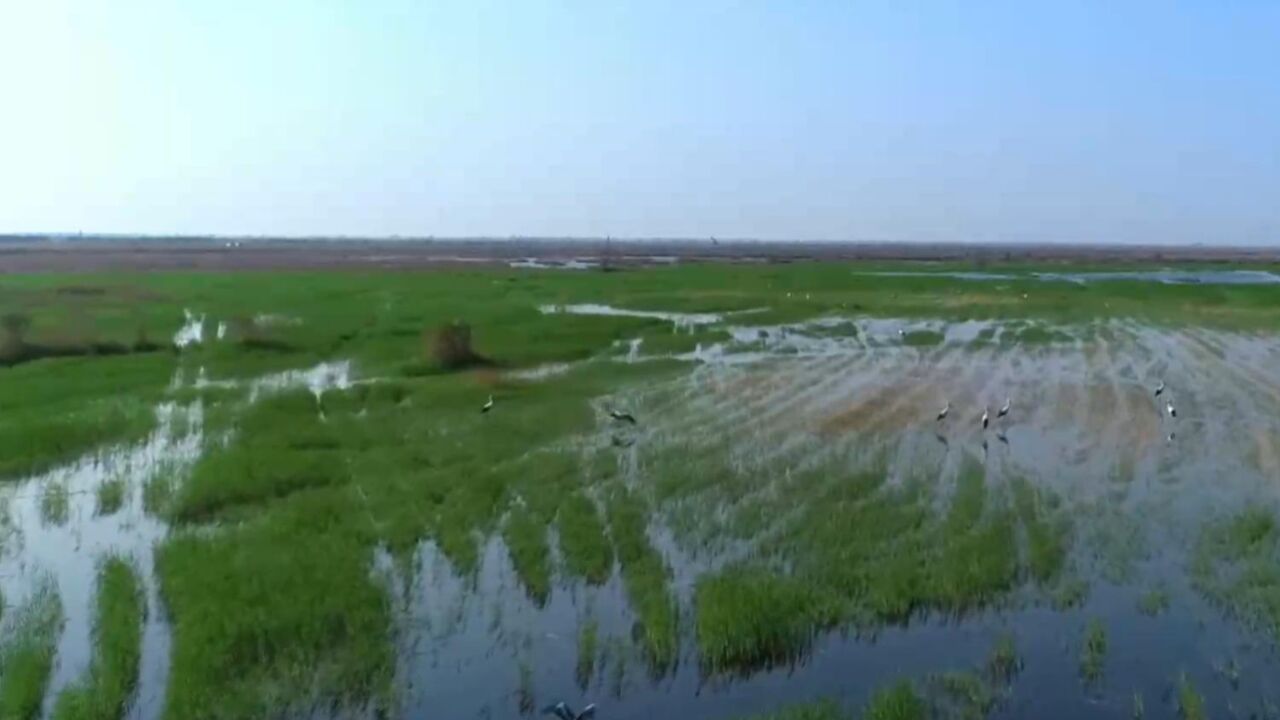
(564,712)
(622,416)
(1168,406)
(1005,410)
(946,409)
(1160,388)
(487,406)
(986,417)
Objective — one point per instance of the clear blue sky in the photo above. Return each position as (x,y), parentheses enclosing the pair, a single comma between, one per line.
(1108,121)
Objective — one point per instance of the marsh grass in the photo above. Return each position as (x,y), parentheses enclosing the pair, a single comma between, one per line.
(26,654)
(1190,701)
(1236,564)
(119,611)
(1154,602)
(55,503)
(899,701)
(526,540)
(1004,664)
(1093,653)
(1046,538)
(586,549)
(588,641)
(57,410)
(646,579)
(271,614)
(111,495)
(748,618)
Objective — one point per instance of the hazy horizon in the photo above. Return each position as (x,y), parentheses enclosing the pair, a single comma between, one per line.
(1142,124)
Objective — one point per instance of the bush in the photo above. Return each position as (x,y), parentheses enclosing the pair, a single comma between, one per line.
(450,346)
(14,339)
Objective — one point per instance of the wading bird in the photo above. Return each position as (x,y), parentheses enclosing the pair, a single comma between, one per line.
(487,406)
(622,416)
(564,712)
(1005,410)
(943,414)
(1168,406)
(986,417)
(1160,388)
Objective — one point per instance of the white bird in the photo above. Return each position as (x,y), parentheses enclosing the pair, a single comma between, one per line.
(902,333)
(564,712)
(1005,410)
(487,406)
(986,417)
(1168,406)
(1160,388)
(946,409)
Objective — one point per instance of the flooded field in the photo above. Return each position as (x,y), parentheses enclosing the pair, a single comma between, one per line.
(715,512)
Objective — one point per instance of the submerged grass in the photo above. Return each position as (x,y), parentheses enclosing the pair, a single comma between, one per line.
(1190,701)
(588,641)
(26,654)
(111,496)
(1093,654)
(117,636)
(55,503)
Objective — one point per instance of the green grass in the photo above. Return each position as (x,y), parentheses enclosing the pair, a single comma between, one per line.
(117,646)
(646,578)
(1093,654)
(749,617)
(111,496)
(1154,602)
(897,702)
(587,551)
(26,655)
(270,614)
(526,539)
(1236,563)
(1190,701)
(57,410)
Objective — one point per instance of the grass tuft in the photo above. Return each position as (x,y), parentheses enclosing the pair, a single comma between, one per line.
(1093,654)
(26,655)
(117,645)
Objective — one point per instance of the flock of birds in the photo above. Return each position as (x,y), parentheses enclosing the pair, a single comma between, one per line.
(1003,412)
(616,414)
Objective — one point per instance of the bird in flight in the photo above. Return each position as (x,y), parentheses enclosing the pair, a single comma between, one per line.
(1160,388)
(986,417)
(487,406)
(564,712)
(622,416)
(942,415)
(1168,406)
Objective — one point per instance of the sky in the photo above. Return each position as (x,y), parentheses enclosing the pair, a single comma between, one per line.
(1111,122)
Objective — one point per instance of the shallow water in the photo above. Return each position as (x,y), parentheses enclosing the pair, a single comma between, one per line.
(1084,424)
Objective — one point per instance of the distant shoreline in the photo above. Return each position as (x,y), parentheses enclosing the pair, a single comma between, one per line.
(51,253)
